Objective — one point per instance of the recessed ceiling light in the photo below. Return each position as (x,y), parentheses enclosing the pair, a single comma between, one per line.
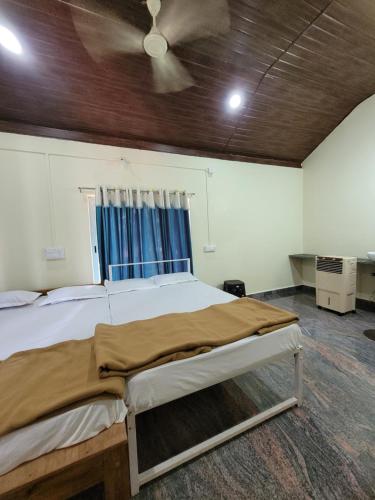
(9,40)
(235,101)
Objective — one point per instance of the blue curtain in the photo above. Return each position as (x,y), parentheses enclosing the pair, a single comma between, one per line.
(141,233)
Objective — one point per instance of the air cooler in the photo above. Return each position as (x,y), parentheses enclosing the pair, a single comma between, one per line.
(336,282)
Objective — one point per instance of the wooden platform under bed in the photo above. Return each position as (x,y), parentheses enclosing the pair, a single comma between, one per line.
(67,472)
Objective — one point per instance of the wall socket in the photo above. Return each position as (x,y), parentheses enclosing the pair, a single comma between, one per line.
(209,248)
(54,253)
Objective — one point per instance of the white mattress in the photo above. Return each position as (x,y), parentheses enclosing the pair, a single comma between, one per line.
(165,383)
(29,327)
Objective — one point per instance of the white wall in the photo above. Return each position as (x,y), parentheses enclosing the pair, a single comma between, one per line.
(255,211)
(339,194)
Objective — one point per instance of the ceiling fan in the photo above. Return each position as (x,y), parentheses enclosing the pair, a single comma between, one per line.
(105,33)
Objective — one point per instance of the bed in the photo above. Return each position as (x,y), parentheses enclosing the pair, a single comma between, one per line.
(146,390)
(165,383)
(30,327)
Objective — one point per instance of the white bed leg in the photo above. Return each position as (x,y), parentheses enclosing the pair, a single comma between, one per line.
(137,480)
(133,453)
(298,376)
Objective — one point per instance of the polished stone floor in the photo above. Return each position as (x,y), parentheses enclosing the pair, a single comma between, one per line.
(323,450)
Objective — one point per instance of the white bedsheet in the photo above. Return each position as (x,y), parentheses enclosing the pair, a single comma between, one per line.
(69,428)
(30,327)
(181,297)
(165,383)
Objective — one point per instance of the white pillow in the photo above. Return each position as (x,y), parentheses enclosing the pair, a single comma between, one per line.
(73,293)
(16,298)
(129,285)
(173,278)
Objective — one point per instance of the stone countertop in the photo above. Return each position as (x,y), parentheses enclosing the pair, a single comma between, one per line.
(306,256)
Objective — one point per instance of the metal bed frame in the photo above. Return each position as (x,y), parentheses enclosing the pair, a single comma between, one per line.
(114,266)
(138,479)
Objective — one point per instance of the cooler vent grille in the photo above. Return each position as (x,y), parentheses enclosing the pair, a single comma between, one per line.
(328,265)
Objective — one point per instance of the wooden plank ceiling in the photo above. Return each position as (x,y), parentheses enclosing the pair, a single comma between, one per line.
(302,66)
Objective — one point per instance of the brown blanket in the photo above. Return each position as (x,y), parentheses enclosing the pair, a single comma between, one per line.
(35,383)
(133,347)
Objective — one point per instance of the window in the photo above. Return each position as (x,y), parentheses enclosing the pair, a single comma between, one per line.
(129,226)
(96,277)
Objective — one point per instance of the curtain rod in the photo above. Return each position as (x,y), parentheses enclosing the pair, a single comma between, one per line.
(82,189)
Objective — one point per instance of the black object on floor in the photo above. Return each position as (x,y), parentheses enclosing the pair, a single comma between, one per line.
(235,287)
(370,334)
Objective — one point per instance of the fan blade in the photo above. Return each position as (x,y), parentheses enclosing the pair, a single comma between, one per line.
(154,7)
(169,74)
(103,33)
(187,20)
